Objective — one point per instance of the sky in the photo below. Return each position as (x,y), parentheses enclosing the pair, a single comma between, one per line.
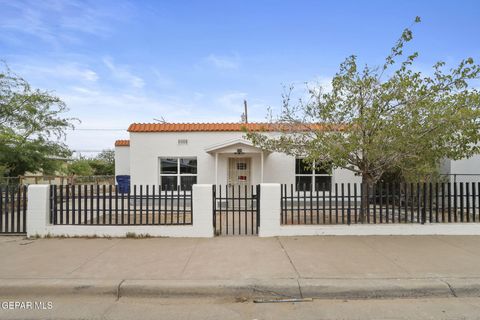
(119,62)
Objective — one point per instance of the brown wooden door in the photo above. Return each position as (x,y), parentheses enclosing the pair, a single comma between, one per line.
(239,172)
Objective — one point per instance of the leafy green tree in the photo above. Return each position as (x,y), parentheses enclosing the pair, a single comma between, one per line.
(3,169)
(387,118)
(31,127)
(107,157)
(101,165)
(80,167)
(390,118)
(104,163)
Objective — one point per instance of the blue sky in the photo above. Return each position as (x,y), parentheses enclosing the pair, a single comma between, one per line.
(117,62)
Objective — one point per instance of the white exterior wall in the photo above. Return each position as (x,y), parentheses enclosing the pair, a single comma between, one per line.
(345,176)
(467,170)
(147,148)
(279,168)
(38,209)
(122,160)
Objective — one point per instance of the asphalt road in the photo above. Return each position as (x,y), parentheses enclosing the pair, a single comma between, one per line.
(103,308)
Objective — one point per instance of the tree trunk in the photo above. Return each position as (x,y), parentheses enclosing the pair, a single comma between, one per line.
(365,190)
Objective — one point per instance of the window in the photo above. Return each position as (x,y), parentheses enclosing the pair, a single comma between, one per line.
(241,166)
(319,175)
(176,172)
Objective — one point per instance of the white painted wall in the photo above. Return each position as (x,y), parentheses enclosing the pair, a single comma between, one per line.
(38,209)
(122,160)
(345,176)
(467,170)
(279,168)
(147,148)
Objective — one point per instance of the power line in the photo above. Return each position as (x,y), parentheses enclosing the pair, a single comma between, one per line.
(89,150)
(95,129)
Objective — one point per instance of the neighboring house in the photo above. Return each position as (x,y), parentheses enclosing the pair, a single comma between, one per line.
(183,154)
(217,153)
(464,170)
(122,157)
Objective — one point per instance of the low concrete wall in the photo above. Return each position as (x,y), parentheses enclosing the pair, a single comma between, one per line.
(38,223)
(270,223)
(38,209)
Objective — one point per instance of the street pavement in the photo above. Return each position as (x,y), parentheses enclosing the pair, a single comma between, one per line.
(328,269)
(148,308)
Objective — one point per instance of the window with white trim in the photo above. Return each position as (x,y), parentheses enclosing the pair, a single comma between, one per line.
(178,172)
(319,175)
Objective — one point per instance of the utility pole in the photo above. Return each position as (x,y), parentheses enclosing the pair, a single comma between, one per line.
(245,112)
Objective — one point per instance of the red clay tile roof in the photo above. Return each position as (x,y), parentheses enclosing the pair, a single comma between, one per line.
(122,143)
(189,127)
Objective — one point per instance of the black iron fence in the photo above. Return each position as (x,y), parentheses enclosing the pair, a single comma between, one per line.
(348,203)
(236,209)
(13,209)
(106,205)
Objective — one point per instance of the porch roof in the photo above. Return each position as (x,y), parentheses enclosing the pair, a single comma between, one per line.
(224,146)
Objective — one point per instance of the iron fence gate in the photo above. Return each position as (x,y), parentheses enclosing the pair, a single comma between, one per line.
(236,210)
(13,210)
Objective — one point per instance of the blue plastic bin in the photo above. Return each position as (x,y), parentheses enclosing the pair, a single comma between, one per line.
(123,182)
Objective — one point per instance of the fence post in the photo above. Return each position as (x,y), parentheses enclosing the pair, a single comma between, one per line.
(202,210)
(38,210)
(270,212)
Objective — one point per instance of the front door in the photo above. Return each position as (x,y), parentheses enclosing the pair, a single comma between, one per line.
(239,172)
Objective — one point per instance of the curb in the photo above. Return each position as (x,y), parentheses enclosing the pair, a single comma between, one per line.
(464,287)
(245,289)
(374,289)
(58,287)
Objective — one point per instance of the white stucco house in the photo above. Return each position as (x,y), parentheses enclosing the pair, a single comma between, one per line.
(171,154)
(215,153)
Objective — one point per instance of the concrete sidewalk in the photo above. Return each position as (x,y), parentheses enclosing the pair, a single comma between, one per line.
(326,267)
